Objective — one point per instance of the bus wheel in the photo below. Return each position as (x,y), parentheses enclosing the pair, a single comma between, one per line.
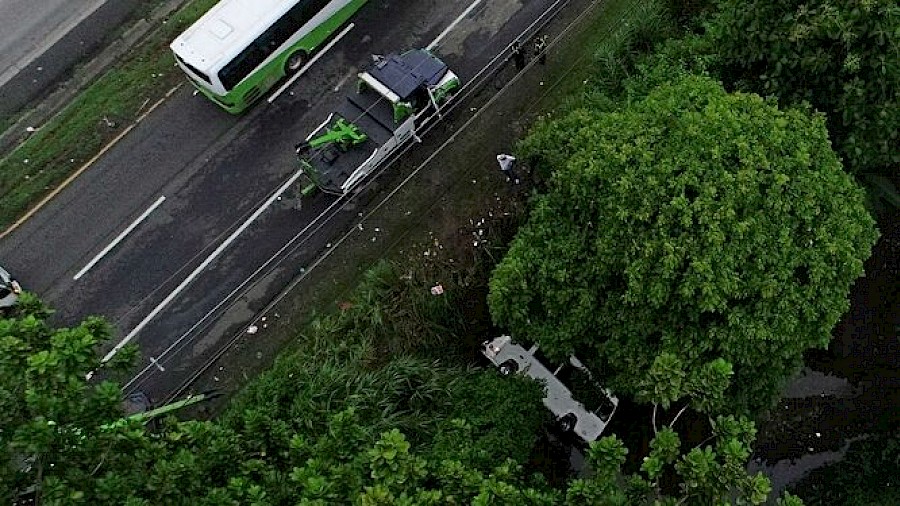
(295,61)
(508,367)
(567,422)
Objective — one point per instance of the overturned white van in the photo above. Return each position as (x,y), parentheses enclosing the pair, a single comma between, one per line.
(585,419)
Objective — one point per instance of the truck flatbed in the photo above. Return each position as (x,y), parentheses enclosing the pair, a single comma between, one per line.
(400,94)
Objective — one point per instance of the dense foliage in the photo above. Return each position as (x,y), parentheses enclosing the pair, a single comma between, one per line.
(331,423)
(712,474)
(866,475)
(690,222)
(841,56)
(323,425)
(50,417)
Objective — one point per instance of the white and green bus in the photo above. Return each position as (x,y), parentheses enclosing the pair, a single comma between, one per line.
(240,48)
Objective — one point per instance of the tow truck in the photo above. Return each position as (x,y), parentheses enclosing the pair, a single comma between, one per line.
(395,99)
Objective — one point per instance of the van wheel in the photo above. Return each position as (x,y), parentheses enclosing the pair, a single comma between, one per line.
(567,422)
(295,62)
(508,367)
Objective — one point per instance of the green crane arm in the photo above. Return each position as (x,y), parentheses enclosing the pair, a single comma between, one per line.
(343,133)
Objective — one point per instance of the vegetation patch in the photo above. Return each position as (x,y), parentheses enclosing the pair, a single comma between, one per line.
(866,475)
(93,118)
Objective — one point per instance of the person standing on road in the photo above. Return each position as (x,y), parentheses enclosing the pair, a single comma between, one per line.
(540,49)
(507,167)
(518,55)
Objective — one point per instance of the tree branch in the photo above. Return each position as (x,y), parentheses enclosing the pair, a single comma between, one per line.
(102,460)
(678,415)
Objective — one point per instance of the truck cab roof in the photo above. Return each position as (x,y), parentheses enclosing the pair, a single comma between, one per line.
(406,73)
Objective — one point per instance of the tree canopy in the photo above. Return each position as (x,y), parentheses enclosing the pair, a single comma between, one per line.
(50,416)
(331,423)
(334,422)
(691,222)
(841,56)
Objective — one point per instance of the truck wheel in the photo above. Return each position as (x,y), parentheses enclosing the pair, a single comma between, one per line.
(508,367)
(295,62)
(567,422)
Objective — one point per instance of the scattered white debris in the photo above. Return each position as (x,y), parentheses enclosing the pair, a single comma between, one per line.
(252,329)
(437,290)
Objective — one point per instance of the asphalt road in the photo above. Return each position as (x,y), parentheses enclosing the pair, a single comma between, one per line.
(215,170)
(41,40)
(27,28)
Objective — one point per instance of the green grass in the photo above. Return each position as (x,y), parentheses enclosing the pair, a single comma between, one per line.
(96,116)
(602,53)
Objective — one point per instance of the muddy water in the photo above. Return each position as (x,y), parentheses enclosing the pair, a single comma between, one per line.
(848,391)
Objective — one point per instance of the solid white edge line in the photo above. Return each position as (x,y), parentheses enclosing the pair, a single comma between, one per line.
(188,280)
(452,25)
(310,63)
(119,239)
(327,120)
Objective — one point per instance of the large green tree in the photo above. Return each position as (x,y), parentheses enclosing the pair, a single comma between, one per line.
(690,222)
(324,425)
(334,423)
(51,418)
(841,56)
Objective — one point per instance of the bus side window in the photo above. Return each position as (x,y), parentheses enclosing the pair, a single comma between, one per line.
(241,66)
(305,10)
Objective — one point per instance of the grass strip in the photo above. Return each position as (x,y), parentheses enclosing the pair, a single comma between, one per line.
(94,117)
